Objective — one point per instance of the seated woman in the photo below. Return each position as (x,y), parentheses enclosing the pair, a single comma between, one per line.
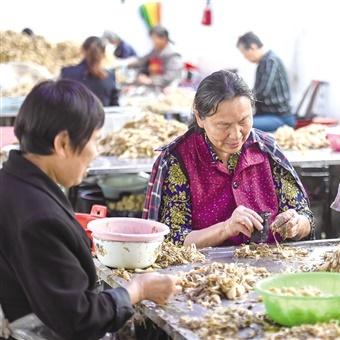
(46,266)
(163,65)
(91,73)
(210,184)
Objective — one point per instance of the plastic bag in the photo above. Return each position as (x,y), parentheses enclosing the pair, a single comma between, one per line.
(28,327)
(336,204)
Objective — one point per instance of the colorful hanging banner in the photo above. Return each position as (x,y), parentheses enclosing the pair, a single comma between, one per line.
(151,13)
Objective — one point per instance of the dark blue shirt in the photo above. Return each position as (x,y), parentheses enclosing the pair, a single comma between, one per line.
(124,50)
(104,89)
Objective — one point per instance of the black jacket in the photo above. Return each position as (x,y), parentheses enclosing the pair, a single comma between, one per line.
(104,89)
(46,265)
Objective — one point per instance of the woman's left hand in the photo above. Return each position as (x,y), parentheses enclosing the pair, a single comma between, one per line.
(288,224)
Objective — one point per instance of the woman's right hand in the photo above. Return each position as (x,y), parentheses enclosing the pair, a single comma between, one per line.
(153,286)
(143,79)
(243,220)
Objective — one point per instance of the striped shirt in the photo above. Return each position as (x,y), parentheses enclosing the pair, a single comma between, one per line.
(271,86)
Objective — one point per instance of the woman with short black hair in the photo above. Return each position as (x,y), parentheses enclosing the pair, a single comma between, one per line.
(70,108)
(46,266)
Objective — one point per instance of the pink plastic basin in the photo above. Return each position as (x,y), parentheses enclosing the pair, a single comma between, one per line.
(127,229)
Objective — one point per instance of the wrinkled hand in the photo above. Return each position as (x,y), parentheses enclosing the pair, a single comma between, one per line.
(243,220)
(153,286)
(287,224)
(143,79)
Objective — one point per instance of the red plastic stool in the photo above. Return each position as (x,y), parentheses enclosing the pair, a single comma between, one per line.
(97,211)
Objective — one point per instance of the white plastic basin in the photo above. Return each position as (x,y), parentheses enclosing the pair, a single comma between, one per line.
(123,242)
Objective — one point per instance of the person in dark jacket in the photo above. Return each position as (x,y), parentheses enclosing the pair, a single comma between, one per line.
(46,266)
(27,31)
(123,50)
(91,73)
(271,85)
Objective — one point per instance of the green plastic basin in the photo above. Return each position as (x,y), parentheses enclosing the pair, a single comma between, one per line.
(297,310)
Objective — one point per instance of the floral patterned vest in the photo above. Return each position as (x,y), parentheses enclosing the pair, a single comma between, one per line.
(215,193)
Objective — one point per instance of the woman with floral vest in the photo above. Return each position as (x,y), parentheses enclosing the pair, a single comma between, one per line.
(211,184)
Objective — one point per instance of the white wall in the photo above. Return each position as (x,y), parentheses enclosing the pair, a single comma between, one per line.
(303,32)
